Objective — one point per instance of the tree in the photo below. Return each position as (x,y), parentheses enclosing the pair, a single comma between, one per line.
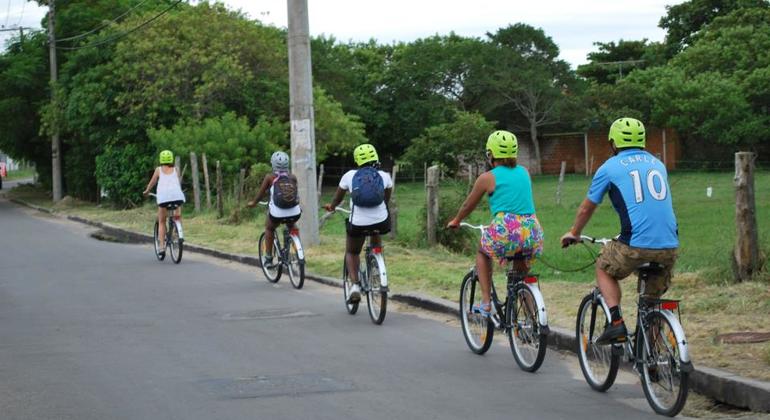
(614,60)
(527,81)
(450,143)
(684,21)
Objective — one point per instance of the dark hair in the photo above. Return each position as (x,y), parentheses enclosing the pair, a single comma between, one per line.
(509,162)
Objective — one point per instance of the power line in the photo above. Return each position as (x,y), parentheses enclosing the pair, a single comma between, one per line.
(21,15)
(122,34)
(104,25)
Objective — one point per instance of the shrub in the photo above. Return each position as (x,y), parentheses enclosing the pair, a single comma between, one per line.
(123,172)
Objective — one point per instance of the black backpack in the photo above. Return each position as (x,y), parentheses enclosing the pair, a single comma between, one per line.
(367,190)
(285,191)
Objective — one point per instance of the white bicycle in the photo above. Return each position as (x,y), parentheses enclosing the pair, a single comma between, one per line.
(657,348)
(372,276)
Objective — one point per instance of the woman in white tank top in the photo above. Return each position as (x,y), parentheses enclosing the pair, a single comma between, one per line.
(169,191)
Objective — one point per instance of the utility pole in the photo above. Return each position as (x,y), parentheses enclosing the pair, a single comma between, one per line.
(302,119)
(55,143)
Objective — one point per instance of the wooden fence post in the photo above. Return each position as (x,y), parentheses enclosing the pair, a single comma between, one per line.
(425,173)
(432,187)
(178,166)
(470,176)
(746,254)
(241,183)
(393,206)
(196,184)
(320,181)
(220,192)
(206,180)
(561,181)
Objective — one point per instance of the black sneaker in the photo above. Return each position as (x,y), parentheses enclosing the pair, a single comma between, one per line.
(614,333)
(269,262)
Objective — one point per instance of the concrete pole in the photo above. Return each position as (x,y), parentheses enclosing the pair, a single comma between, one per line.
(55,142)
(302,120)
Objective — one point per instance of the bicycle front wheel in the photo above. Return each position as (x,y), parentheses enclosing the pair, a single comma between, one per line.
(376,298)
(159,249)
(477,329)
(665,384)
(296,266)
(352,308)
(528,344)
(598,363)
(272,273)
(175,242)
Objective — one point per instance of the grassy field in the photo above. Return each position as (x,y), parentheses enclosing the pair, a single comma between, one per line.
(712,303)
(20,174)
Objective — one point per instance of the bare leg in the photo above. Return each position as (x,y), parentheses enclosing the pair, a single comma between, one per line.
(269,234)
(162,226)
(484,271)
(352,256)
(609,287)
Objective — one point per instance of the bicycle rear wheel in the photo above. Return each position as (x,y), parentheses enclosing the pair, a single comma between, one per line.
(175,242)
(352,308)
(272,274)
(665,384)
(528,344)
(478,329)
(159,250)
(598,363)
(376,298)
(296,266)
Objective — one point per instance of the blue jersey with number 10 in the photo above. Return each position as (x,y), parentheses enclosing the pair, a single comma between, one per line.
(637,183)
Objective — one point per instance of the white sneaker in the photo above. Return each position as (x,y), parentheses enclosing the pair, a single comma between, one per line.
(354,295)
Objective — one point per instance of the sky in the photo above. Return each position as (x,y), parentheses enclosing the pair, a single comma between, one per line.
(573,24)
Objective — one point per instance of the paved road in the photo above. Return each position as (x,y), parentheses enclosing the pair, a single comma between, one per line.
(95,330)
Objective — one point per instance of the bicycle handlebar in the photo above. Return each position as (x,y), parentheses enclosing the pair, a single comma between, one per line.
(590,239)
(477,227)
(329,214)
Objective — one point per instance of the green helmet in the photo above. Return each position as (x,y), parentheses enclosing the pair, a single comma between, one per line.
(627,132)
(166,157)
(502,144)
(365,153)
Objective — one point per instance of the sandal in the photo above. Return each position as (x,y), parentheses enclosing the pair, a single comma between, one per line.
(484,309)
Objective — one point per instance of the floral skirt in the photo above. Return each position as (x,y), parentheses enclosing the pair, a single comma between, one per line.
(509,234)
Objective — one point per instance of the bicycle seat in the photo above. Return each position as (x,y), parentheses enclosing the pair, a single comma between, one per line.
(650,268)
(519,256)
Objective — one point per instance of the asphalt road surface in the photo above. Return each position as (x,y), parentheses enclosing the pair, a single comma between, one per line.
(98,330)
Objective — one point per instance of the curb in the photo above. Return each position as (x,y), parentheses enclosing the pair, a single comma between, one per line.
(714,383)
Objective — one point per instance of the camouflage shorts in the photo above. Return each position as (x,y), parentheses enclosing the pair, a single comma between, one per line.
(620,261)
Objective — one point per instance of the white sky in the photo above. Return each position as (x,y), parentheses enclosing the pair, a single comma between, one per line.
(573,24)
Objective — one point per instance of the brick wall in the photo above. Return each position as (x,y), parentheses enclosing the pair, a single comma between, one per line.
(571,148)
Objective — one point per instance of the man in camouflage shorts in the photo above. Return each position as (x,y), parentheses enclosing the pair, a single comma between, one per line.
(637,184)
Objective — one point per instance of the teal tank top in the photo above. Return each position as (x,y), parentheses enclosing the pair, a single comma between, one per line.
(513,191)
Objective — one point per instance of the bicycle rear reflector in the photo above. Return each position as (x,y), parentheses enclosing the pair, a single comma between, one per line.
(530,279)
(377,250)
(670,305)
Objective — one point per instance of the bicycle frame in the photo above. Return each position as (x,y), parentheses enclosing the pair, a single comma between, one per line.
(513,279)
(630,349)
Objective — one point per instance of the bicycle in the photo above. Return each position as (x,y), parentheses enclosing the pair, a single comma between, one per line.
(657,348)
(174,242)
(522,315)
(290,256)
(372,278)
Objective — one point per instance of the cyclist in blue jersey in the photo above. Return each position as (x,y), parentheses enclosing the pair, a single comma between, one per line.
(637,184)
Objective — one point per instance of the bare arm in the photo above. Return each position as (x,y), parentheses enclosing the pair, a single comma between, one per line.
(152,182)
(480,187)
(336,200)
(266,182)
(584,213)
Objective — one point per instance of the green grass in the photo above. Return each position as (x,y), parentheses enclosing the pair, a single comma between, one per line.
(20,174)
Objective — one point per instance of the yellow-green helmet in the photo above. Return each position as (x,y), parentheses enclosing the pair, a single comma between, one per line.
(166,157)
(365,153)
(627,132)
(502,144)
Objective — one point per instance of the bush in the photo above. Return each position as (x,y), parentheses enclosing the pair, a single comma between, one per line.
(460,240)
(123,172)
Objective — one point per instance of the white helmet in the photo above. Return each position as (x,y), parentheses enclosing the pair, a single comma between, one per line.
(280,161)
